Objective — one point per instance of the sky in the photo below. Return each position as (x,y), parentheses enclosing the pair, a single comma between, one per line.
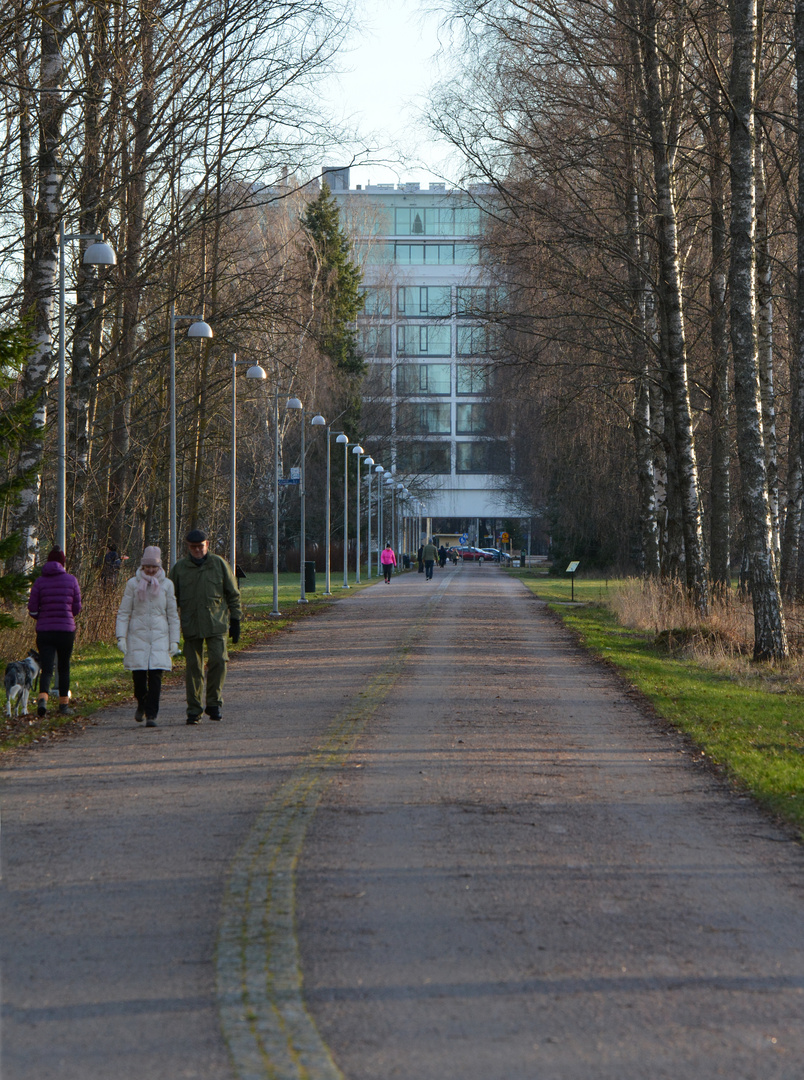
(387,75)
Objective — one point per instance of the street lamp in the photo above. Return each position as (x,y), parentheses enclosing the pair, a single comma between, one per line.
(389,483)
(197,329)
(291,403)
(317,421)
(357,450)
(97,254)
(379,470)
(254,372)
(344,440)
(369,461)
(327,522)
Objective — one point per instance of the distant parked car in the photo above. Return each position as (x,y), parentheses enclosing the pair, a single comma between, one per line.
(494,553)
(473,554)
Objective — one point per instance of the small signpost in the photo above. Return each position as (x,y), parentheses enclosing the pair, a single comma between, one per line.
(464,538)
(294,478)
(572,570)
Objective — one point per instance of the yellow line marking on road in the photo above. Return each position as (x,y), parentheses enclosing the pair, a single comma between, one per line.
(270,1033)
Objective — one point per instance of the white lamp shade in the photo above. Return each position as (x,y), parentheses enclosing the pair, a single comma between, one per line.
(199,329)
(293,403)
(318,420)
(379,469)
(357,449)
(342,439)
(368,461)
(389,480)
(256,372)
(100,254)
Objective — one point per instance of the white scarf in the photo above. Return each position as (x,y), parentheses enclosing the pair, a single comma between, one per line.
(146,581)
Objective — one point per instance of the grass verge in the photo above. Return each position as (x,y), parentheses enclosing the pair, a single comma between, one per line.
(754,734)
(99,680)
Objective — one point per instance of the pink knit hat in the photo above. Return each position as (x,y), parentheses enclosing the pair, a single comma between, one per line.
(152,556)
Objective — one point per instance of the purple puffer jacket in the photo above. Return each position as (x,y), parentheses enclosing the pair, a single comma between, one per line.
(55,598)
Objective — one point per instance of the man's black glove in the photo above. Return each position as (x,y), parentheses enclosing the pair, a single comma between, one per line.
(234,630)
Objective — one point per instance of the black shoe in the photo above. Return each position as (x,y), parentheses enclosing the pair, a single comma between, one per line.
(41,710)
(65,710)
(139,715)
(213,712)
(150,722)
(193,718)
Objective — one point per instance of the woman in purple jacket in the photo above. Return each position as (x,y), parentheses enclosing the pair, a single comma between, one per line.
(54,602)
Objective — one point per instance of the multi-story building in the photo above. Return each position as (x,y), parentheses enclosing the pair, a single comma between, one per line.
(425,335)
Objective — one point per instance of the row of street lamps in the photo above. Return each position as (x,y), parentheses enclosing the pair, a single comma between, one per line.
(99,253)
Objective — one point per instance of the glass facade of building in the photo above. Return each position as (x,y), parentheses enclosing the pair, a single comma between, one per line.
(426,335)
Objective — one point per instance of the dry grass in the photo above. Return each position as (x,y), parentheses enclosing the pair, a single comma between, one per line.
(95,623)
(722,641)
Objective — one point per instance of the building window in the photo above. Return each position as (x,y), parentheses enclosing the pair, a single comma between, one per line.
(473,340)
(474,378)
(435,254)
(423,457)
(422,418)
(419,300)
(376,302)
(418,340)
(472,419)
(377,380)
(482,457)
(412,379)
(436,221)
(478,300)
(377,254)
(375,340)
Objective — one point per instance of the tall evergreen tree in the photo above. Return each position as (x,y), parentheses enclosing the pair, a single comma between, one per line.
(336,300)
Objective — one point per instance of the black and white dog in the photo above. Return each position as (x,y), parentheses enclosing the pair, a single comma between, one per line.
(21,677)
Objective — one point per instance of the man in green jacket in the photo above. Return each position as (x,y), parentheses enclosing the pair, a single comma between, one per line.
(429,556)
(209,608)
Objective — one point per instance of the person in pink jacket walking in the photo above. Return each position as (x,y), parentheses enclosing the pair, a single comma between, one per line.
(388,562)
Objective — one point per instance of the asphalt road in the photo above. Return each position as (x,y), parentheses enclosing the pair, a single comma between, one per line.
(430,839)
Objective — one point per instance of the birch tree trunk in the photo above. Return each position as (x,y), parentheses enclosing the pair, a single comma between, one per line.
(641,421)
(770,638)
(89,293)
(793,549)
(720,525)
(765,348)
(672,303)
(24,518)
(135,166)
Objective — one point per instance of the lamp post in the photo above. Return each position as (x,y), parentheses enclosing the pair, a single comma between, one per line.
(327,522)
(317,421)
(197,329)
(357,450)
(98,253)
(369,461)
(400,516)
(254,372)
(291,403)
(389,483)
(379,470)
(344,440)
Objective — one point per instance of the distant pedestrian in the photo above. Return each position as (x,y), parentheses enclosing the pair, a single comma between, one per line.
(209,607)
(54,602)
(429,554)
(388,562)
(442,556)
(419,558)
(112,561)
(147,632)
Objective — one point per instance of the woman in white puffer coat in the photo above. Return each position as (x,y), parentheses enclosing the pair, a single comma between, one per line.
(147,632)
